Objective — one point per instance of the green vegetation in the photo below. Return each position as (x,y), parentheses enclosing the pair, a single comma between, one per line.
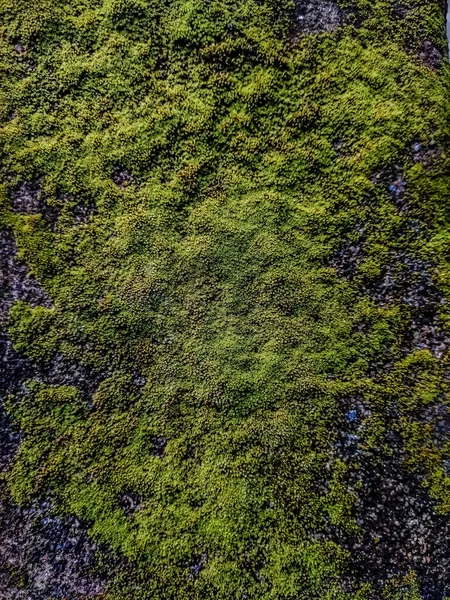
(221,167)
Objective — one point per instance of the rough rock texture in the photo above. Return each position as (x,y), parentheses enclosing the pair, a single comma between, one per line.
(15,282)
(41,555)
(316,16)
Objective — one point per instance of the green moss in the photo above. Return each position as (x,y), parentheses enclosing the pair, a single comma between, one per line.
(208,273)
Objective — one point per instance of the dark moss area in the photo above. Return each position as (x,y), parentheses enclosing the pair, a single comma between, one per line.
(231,335)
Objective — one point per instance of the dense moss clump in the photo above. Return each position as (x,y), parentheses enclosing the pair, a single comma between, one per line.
(240,213)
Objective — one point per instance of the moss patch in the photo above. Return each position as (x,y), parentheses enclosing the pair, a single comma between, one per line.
(204,173)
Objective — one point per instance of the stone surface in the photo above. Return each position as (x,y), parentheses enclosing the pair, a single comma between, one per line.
(430,55)
(41,555)
(317,16)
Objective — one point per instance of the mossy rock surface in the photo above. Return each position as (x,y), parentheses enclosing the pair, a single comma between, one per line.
(238,216)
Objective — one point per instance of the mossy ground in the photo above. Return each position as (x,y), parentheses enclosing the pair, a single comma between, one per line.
(218,169)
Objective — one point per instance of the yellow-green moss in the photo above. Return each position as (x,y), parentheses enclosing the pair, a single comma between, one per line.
(207,272)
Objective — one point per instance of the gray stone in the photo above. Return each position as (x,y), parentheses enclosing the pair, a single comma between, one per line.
(28,197)
(317,16)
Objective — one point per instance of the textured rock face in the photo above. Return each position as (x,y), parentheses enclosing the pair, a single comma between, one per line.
(41,555)
(317,16)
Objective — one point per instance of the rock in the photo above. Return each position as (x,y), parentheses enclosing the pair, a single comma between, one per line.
(28,197)
(399,522)
(197,566)
(316,16)
(41,555)
(431,56)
